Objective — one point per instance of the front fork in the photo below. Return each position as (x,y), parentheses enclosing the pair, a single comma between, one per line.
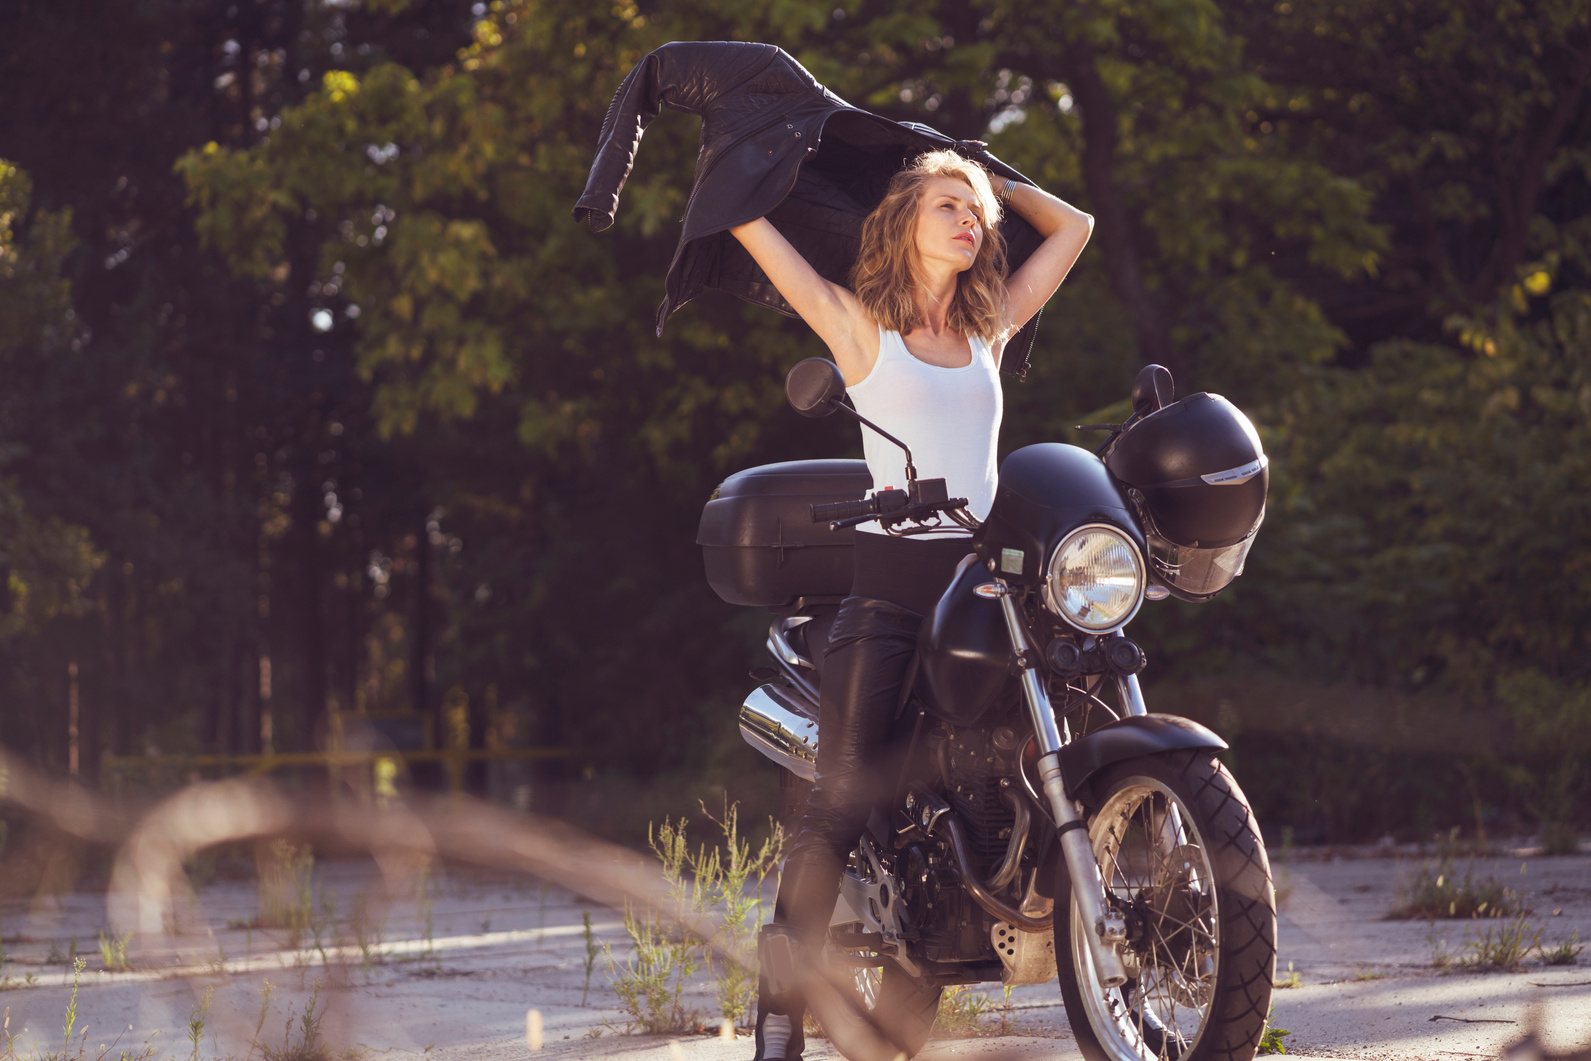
(1088,889)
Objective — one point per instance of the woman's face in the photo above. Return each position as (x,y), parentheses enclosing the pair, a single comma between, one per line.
(949,225)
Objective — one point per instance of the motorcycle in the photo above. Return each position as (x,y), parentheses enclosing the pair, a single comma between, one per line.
(1045,825)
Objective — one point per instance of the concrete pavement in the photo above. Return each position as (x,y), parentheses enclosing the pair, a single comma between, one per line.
(1366,987)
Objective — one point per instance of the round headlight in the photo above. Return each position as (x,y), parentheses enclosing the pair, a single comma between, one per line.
(1096,579)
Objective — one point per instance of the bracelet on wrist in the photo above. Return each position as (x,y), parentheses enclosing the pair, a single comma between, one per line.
(1006,191)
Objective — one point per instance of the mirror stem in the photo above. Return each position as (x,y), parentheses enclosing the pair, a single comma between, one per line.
(911,469)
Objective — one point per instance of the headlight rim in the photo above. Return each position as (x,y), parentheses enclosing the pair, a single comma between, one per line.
(1141,570)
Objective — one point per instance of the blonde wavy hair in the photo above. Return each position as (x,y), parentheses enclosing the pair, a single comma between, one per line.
(885,274)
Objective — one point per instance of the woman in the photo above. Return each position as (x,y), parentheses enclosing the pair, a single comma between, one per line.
(918,337)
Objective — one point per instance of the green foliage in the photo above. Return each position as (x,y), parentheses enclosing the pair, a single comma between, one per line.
(301,1038)
(722,884)
(1271,1038)
(1503,946)
(113,951)
(1436,892)
(1371,232)
(286,889)
(593,951)
(964,1010)
(197,1019)
(45,564)
(1564,952)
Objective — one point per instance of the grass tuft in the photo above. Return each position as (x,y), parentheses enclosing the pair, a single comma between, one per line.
(724,882)
(1437,893)
(1503,946)
(112,952)
(1566,952)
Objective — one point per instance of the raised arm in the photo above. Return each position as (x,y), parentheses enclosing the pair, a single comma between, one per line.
(1065,230)
(829,309)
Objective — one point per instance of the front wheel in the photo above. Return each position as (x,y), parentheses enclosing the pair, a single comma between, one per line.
(1182,861)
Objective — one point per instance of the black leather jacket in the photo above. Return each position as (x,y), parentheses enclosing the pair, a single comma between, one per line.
(775,144)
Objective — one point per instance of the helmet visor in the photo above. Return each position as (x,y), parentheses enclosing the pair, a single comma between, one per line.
(1194,572)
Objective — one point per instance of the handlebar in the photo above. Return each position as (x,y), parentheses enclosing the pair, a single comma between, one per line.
(888,507)
(842,510)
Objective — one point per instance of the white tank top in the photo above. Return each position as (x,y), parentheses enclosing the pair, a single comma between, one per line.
(950,417)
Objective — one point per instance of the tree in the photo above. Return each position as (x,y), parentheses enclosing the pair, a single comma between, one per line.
(45,563)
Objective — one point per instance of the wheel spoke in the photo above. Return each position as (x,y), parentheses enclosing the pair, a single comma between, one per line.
(1149,841)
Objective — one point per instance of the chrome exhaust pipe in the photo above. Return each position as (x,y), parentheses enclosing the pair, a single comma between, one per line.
(783,725)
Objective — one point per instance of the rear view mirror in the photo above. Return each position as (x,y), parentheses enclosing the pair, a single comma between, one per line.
(1152,391)
(815,387)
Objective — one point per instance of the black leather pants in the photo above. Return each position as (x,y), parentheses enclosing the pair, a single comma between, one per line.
(869,651)
(870,647)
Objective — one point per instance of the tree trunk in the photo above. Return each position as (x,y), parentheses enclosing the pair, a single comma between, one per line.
(312,624)
(115,660)
(1115,235)
(420,645)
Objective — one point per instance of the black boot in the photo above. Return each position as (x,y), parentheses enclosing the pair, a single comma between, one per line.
(781,1011)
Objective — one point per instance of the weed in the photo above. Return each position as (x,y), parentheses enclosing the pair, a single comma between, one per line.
(728,872)
(55,956)
(71,1005)
(113,951)
(8,1042)
(196,1020)
(323,926)
(1369,976)
(1504,948)
(1292,979)
(1007,1011)
(367,933)
(1438,893)
(1566,952)
(592,950)
(541,909)
(266,992)
(286,889)
(651,982)
(725,880)
(1441,958)
(961,1010)
(424,912)
(1271,1039)
(303,1044)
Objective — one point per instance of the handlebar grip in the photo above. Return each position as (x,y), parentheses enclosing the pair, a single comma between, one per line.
(839,510)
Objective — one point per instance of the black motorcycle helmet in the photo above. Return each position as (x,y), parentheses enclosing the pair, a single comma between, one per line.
(1198,474)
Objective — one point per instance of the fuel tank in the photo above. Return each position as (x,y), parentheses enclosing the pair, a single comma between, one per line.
(965,652)
(1045,491)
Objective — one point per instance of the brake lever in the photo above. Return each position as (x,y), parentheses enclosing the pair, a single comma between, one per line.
(929,508)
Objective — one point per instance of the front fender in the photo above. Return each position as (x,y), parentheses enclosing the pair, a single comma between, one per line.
(1129,738)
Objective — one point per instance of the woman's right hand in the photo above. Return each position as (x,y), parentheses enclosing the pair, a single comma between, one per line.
(830,310)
